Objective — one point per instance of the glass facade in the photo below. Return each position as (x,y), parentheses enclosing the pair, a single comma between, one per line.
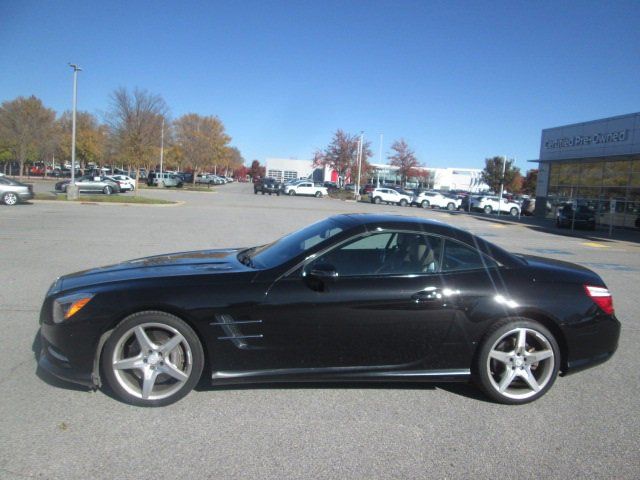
(611,185)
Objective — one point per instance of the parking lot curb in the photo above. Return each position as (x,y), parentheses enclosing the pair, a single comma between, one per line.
(112,204)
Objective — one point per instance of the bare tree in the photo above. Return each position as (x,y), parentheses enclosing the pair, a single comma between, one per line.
(203,141)
(135,124)
(26,128)
(405,159)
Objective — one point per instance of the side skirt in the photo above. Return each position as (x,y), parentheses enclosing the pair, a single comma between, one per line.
(339,374)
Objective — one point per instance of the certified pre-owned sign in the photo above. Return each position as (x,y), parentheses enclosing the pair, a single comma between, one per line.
(579,140)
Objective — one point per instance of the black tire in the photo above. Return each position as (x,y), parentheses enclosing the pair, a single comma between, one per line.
(451,206)
(488,209)
(516,362)
(10,199)
(152,319)
(292,193)
(513,212)
(108,190)
(425,204)
(377,200)
(318,195)
(402,203)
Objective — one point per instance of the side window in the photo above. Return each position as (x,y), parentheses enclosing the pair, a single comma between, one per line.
(388,253)
(458,257)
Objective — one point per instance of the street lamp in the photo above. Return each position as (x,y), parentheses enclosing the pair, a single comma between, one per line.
(72,190)
(359,161)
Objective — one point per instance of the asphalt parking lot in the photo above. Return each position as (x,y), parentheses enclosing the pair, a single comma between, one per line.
(586,426)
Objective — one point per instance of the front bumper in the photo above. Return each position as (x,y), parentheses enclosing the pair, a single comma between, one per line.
(57,364)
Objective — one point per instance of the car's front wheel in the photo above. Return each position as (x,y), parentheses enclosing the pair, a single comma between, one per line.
(518,361)
(9,198)
(451,206)
(152,359)
(488,209)
(425,204)
(292,193)
(318,194)
(513,212)
(402,203)
(377,200)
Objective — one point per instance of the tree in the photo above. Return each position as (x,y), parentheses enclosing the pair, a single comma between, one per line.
(203,141)
(404,159)
(91,137)
(232,160)
(26,127)
(492,174)
(135,126)
(341,155)
(530,182)
(256,170)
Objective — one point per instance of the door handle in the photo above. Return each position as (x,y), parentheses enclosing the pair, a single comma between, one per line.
(424,296)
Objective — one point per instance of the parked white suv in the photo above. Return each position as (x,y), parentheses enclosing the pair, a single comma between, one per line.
(388,195)
(305,188)
(491,203)
(435,199)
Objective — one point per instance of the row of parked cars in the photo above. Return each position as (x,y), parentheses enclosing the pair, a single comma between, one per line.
(292,188)
(99,184)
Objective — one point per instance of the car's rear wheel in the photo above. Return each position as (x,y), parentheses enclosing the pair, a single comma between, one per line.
(451,206)
(488,209)
(377,200)
(425,204)
(402,203)
(152,359)
(107,190)
(518,361)
(513,212)
(9,198)
(318,195)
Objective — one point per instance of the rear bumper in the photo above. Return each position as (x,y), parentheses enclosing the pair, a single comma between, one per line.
(591,343)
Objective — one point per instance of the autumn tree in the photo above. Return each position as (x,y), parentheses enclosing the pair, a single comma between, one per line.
(26,127)
(492,174)
(232,160)
(135,125)
(341,155)
(202,139)
(404,158)
(530,182)
(256,170)
(91,137)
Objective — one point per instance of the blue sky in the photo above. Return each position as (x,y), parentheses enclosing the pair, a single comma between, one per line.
(460,81)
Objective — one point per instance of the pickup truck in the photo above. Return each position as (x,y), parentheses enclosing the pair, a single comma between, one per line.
(305,188)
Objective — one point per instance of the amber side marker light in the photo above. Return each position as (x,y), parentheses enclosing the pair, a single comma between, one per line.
(66,307)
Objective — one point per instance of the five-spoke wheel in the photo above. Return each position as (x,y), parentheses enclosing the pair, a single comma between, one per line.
(152,359)
(517,362)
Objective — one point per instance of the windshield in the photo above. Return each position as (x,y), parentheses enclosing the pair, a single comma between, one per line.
(291,245)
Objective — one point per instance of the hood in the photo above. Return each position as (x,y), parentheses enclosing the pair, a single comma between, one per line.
(198,262)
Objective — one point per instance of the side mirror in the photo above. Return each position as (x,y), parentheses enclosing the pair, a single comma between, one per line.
(323,271)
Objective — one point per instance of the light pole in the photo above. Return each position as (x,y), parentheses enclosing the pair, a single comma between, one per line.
(161,182)
(504,165)
(72,190)
(359,160)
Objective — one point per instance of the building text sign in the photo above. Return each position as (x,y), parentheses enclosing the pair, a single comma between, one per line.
(579,140)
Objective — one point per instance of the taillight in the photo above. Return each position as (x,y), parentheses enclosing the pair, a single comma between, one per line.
(601,297)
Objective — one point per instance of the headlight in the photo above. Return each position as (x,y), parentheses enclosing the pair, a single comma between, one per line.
(66,307)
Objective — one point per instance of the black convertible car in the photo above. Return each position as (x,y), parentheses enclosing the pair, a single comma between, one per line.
(350,298)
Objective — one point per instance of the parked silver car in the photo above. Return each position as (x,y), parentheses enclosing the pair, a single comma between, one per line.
(12,191)
(91,184)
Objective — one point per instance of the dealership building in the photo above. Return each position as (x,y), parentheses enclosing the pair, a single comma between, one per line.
(595,163)
(468,179)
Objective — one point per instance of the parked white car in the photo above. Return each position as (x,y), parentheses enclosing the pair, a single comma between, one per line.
(388,195)
(305,188)
(126,182)
(491,203)
(435,199)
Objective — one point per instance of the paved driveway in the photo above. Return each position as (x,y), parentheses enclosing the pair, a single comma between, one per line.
(587,426)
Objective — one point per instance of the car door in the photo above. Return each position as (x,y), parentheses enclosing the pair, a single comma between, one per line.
(385,307)
(305,188)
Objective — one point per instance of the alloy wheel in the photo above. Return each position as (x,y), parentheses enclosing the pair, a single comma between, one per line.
(521,364)
(10,198)
(152,361)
